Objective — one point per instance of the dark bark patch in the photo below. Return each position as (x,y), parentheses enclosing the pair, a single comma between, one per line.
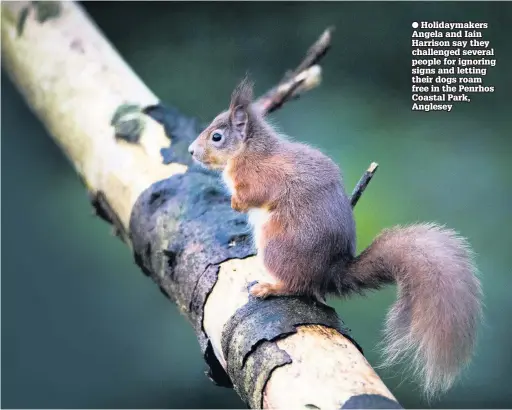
(46,10)
(215,370)
(103,209)
(181,229)
(22,19)
(181,129)
(259,367)
(370,401)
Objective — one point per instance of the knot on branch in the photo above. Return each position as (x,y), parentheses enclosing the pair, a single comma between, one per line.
(128,122)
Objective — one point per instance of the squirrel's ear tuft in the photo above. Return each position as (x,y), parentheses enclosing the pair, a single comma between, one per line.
(242,95)
(241,99)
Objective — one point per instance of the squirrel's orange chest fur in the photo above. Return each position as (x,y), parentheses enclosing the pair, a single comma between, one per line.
(257,216)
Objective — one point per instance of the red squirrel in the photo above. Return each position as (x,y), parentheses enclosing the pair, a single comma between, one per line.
(304,232)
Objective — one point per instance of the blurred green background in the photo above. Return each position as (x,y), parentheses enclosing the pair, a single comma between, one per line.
(82,327)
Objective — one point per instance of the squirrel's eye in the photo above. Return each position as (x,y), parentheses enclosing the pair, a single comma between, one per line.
(216,136)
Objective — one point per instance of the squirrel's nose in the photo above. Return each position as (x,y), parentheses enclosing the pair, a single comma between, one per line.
(191,149)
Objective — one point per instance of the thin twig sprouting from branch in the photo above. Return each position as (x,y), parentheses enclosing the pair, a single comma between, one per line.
(363,183)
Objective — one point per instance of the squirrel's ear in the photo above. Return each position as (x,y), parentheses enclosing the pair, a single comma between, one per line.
(241,100)
(239,118)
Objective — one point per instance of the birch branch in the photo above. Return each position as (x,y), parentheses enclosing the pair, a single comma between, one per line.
(306,76)
(278,353)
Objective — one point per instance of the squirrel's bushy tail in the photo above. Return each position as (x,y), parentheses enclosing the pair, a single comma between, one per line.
(433,324)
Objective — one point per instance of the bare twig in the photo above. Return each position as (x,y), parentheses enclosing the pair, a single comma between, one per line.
(316,51)
(306,76)
(363,183)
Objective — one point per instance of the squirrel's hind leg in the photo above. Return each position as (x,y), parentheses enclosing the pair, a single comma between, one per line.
(265,289)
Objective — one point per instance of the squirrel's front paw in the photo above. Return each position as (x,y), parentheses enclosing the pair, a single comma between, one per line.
(237,205)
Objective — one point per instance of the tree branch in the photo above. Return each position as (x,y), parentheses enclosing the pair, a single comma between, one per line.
(306,76)
(281,352)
